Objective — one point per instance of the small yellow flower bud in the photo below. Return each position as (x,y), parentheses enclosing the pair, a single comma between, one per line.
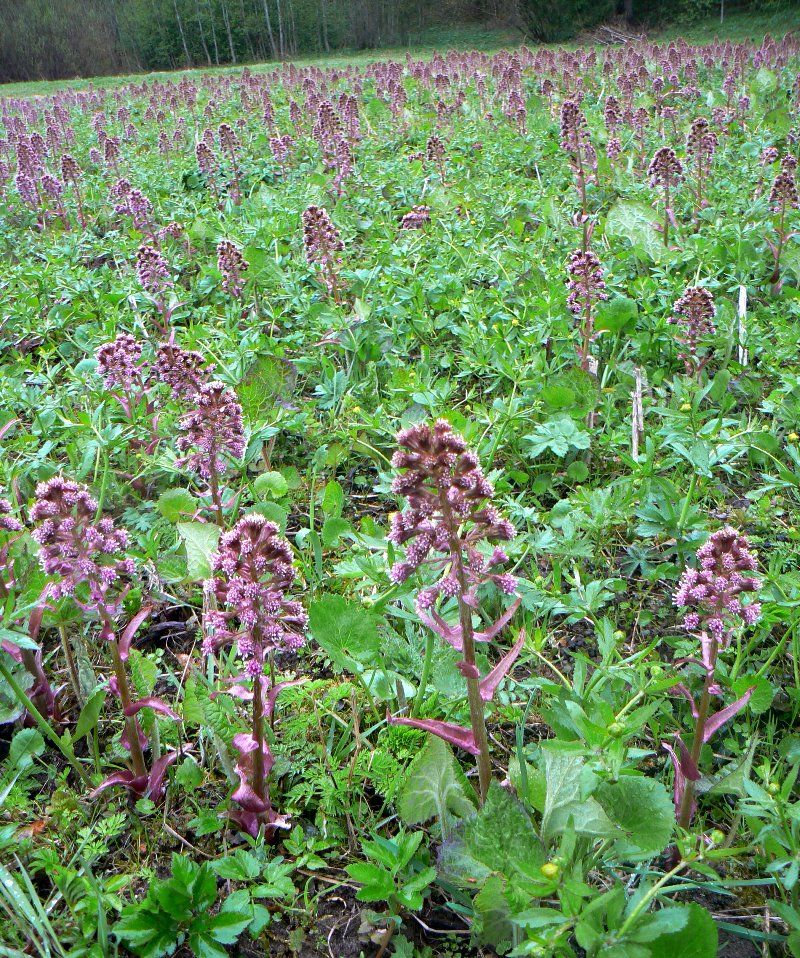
(550,870)
(685,407)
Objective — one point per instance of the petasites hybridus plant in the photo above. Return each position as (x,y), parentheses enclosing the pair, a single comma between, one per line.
(212,435)
(253,574)
(712,596)
(783,198)
(666,172)
(449,515)
(694,312)
(86,554)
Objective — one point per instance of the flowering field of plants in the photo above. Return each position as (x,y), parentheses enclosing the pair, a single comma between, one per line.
(399,495)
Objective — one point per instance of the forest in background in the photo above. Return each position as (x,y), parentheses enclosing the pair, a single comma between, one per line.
(53,39)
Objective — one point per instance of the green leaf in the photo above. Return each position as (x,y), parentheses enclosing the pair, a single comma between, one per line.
(240,866)
(346,632)
(435,787)
(274,512)
(567,799)
(643,810)
(559,435)
(189,775)
(493,915)
(200,539)
(502,837)
(636,223)
(90,713)
(377,882)
(271,484)
(149,933)
(667,921)
(25,746)
(696,939)
(616,314)
(175,503)
(761,699)
(333,529)
(20,639)
(333,499)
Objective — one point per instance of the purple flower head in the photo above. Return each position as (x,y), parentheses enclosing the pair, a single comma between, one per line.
(712,594)
(152,270)
(76,546)
(783,195)
(52,186)
(214,429)
(701,142)
(118,362)
(611,114)
(769,155)
(253,574)
(449,513)
(434,150)
(665,169)
(182,370)
(7,521)
(585,283)
(694,312)
(206,161)
(323,243)
(231,264)
(416,219)
(227,138)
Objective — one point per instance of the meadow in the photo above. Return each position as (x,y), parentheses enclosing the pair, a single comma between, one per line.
(399,486)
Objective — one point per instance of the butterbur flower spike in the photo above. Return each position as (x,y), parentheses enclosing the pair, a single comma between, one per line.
(713,595)
(449,515)
(232,265)
(212,434)
(85,553)
(252,576)
(694,312)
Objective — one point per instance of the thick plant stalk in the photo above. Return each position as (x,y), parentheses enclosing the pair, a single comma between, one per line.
(687,801)
(137,756)
(72,668)
(477,720)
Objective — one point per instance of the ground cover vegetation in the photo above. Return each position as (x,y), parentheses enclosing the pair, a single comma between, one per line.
(398,532)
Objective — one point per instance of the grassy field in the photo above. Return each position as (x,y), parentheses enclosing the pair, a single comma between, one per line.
(399,497)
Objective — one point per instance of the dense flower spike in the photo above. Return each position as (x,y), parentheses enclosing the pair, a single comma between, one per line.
(252,575)
(586,287)
(184,371)
(694,312)
(666,172)
(701,145)
(712,595)
(713,592)
(213,429)
(323,244)
(232,265)
(152,270)
(417,218)
(665,169)
(435,154)
(79,548)
(118,363)
(449,514)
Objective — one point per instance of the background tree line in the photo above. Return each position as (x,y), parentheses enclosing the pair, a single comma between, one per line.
(48,39)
